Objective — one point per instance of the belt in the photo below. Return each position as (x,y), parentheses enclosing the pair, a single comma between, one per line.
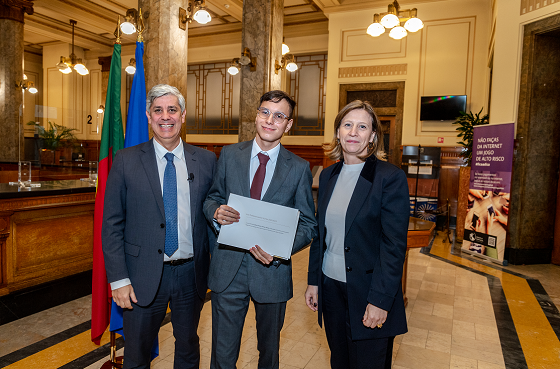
(178,261)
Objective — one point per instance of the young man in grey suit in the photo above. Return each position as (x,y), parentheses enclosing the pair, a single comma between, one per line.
(262,169)
(155,235)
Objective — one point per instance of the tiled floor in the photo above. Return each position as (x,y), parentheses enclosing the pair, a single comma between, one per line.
(461,314)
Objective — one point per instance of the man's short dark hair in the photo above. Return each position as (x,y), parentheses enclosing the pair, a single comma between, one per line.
(276,96)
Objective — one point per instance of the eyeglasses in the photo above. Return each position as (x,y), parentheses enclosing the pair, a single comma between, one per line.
(277,117)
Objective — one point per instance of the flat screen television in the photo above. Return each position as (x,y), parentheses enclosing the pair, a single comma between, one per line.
(442,107)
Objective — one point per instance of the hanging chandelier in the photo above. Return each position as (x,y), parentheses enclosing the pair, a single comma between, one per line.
(393,20)
(67,64)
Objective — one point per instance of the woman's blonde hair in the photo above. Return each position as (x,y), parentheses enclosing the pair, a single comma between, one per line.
(334,149)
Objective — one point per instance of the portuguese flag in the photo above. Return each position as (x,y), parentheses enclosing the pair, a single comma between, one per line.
(112,140)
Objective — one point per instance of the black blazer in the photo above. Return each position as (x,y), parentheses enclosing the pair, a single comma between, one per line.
(133,231)
(375,244)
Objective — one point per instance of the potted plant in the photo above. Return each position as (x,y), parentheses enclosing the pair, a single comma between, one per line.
(54,137)
(466,122)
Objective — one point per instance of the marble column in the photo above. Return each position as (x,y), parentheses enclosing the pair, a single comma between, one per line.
(11,74)
(263,23)
(165,45)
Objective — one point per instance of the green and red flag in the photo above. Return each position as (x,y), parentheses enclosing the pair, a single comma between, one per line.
(112,140)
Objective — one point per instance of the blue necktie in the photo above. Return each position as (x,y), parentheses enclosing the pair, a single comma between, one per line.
(170,206)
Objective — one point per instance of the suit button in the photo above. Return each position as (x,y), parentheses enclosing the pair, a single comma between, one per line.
(348,269)
(347,249)
(162,225)
(159,251)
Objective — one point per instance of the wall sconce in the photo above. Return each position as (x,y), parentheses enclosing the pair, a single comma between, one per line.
(245,59)
(101,109)
(201,15)
(27,85)
(128,26)
(392,20)
(288,62)
(131,67)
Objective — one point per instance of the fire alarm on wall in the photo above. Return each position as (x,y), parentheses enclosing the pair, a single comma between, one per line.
(440,140)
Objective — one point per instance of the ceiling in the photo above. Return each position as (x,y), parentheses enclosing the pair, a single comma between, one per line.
(97,20)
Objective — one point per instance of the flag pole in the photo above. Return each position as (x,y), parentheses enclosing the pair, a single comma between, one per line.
(114,361)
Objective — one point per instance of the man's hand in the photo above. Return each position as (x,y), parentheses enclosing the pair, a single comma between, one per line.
(225,215)
(260,255)
(374,316)
(311,297)
(122,296)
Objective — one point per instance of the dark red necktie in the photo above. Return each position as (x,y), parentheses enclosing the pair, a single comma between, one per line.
(258,179)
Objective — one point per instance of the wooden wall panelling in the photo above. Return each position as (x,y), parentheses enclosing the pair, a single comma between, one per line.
(451,161)
(46,242)
(4,234)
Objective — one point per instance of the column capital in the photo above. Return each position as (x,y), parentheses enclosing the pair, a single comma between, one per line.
(105,62)
(15,9)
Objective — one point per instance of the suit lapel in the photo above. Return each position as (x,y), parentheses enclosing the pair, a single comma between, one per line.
(283,166)
(363,187)
(150,167)
(194,168)
(324,200)
(243,162)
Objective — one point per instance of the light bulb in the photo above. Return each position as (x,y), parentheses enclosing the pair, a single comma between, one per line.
(32,89)
(397,33)
(233,70)
(291,67)
(285,49)
(128,28)
(413,25)
(202,16)
(67,70)
(390,20)
(130,69)
(375,29)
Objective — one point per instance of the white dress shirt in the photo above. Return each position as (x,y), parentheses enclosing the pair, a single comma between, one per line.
(270,165)
(185,249)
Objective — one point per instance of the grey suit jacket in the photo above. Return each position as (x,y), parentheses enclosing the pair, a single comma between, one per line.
(133,230)
(290,186)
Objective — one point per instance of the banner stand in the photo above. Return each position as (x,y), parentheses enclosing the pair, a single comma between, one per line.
(484,257)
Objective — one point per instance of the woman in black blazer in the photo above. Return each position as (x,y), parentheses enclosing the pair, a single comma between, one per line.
(356,262)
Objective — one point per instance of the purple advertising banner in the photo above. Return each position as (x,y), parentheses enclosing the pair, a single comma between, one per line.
(492,157)
(489,191)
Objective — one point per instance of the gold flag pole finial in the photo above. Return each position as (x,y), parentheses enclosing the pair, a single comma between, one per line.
(118,31)
(140,26)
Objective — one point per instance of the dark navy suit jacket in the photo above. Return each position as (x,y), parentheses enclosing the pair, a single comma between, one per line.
(133,231)
(375,244)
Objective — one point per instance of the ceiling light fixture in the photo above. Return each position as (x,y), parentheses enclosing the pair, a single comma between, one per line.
(392,19)
(288,62)
(67,64)
(131,67)
(196,7)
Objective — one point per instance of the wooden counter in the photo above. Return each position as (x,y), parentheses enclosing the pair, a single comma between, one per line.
(46,233)
(420,233)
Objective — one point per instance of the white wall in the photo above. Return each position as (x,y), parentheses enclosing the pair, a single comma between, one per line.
(510,18)
(448,56)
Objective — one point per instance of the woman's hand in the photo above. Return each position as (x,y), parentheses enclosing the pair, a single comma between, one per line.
(373,317)
(311,297)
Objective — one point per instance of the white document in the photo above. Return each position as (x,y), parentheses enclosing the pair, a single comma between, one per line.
(272,227)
